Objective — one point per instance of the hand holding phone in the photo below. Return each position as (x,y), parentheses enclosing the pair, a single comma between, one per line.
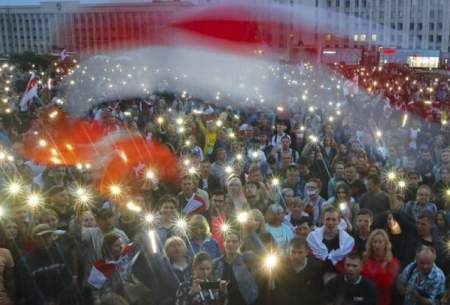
(210,285)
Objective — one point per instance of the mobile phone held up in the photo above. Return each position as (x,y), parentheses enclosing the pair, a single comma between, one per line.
(210,285)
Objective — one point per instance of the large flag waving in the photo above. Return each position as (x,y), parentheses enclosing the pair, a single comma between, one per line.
(30,92)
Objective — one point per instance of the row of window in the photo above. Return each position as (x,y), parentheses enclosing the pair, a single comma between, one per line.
(364,37)
(418,26)
(346,3)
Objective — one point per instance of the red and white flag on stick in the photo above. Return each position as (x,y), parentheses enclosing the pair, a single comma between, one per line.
(30,92)
(100,273)
(63,55)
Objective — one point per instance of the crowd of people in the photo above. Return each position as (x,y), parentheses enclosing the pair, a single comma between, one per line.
(281,206)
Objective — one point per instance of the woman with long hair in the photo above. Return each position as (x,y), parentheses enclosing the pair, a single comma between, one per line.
(236,194)
(177,253)
(109,274)
(380,266)
(442,224)
(200,237)
(342,155)
(202,289)
(237,270)
(251,232)
(10,237)
(344,201)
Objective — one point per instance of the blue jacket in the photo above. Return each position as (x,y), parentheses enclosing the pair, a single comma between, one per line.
(209,246)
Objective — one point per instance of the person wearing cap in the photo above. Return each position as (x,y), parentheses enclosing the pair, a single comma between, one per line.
(44,273)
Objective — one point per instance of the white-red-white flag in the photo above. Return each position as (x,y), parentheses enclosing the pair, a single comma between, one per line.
(30,92)
(195,205)
(63,55)
(100,273)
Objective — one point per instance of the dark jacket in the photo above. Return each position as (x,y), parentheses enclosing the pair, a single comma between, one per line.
(213,183)
(301,287)
(242,271)
(412,241)
(339,291)
(45,276)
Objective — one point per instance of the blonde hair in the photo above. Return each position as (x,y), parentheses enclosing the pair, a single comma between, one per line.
(388,246)
(259,216)
(200,220)
(174,240)
(233,179)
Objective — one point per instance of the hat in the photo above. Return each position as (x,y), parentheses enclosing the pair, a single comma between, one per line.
(42,229)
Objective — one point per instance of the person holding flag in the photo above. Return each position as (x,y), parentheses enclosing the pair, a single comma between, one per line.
(112,274)
(31,92)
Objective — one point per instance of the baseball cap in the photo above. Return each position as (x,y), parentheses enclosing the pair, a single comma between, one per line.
(42,229)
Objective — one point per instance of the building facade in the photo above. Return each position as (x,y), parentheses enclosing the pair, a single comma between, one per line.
(368,24)
(405,24)
(50,26)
